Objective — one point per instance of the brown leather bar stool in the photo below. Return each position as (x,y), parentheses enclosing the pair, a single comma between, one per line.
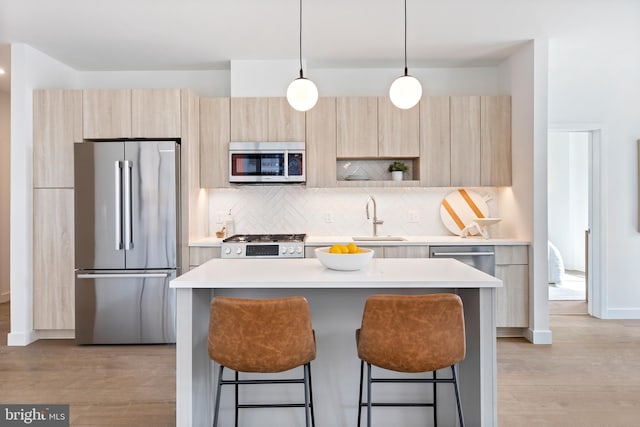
(262,336)
(413,333)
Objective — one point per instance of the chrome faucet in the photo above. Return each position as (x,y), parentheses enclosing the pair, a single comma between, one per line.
(376,221)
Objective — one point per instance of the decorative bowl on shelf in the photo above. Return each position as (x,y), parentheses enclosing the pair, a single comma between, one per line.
(344,262)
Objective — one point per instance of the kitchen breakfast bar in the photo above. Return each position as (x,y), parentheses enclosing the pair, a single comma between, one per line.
(336,300)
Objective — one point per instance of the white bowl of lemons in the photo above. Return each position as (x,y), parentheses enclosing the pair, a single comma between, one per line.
(347,257)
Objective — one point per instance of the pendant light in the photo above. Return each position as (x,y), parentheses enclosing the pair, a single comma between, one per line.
(406,90)
(302,93)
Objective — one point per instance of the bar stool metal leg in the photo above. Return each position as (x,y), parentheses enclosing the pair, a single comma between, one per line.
(236,387)
(218,390)
(369,394)
(360,392)
(307,407)
(455,387)
(313,416)
(435,401)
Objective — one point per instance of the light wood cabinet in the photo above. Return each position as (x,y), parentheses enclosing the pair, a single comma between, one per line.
(357,128)
(321,144)
(435,142)
(400,251)
(155,113)
(465,140)
(266,120)
(199,255)
(53,259)
(495,137)
(126,113)
(57,124)
(512,300)
(215,134)
(249,119)
(106,113)
(406,251)
(285,123)
(398,130)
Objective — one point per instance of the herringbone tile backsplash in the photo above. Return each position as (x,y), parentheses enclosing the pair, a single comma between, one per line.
(335,212)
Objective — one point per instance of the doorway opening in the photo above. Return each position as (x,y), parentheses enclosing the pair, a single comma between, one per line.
(569,168)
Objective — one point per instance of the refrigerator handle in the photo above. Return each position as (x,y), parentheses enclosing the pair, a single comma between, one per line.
(128,213)
(118,207)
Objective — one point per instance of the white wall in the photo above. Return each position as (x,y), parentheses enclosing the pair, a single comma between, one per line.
(523,205)
(203,83)
(594,79)
(30,69)
(5,179)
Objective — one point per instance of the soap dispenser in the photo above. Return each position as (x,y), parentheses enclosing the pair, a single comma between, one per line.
(229,225)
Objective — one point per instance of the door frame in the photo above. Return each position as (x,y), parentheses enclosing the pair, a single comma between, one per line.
(596,260)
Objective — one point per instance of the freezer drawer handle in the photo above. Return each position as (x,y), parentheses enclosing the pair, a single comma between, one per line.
(120,275)
(463,253)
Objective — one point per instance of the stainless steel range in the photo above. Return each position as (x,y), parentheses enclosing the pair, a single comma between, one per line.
(263,246)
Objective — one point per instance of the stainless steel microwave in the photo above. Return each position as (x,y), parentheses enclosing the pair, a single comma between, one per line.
(267,162)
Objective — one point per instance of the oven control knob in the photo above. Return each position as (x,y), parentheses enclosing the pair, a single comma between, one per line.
(227,251)
(299,250)
(283,250)
(239,251)
(291,250)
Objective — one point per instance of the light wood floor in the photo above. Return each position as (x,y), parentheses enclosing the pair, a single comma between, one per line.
(590,376)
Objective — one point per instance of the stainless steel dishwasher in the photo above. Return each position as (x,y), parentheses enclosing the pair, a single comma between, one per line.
(481,257)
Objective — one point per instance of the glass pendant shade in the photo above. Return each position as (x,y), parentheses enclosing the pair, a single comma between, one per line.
(405,92)
(302,94)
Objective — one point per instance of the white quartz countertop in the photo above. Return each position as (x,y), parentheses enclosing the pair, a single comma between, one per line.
(315,240)
(310,273)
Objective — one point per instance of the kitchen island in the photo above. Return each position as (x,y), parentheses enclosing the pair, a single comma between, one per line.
(336,301)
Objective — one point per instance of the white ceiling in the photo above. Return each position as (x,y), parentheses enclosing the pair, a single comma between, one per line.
(207,34)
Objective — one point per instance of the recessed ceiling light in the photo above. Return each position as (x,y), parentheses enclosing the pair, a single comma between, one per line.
(1,70)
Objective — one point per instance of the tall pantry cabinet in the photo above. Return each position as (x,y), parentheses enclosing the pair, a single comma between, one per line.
(57,124)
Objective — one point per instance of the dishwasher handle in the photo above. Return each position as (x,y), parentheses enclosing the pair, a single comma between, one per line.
(463,253)
(121,275)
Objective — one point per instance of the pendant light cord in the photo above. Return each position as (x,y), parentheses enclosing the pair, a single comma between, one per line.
(405,37)
(301,76)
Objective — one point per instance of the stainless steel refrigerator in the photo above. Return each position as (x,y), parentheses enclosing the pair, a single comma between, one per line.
(126,241)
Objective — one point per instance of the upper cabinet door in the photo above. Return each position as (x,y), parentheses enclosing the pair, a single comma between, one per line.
(215,133)
(155,113)
(357,127)
(321,144)
(435,142)
(398,130)
(285,123)
(465,140)
(106,114)
(250,119)
(495,120)
(57,124)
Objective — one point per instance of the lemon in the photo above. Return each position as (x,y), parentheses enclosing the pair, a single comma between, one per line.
(353,248)
(335,249)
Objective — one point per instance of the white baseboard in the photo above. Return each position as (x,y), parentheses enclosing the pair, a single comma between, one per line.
(508,332)
(622,313)
(21,338)
(538,336)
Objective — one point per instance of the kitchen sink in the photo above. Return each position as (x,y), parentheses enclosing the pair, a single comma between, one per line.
(379,239)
